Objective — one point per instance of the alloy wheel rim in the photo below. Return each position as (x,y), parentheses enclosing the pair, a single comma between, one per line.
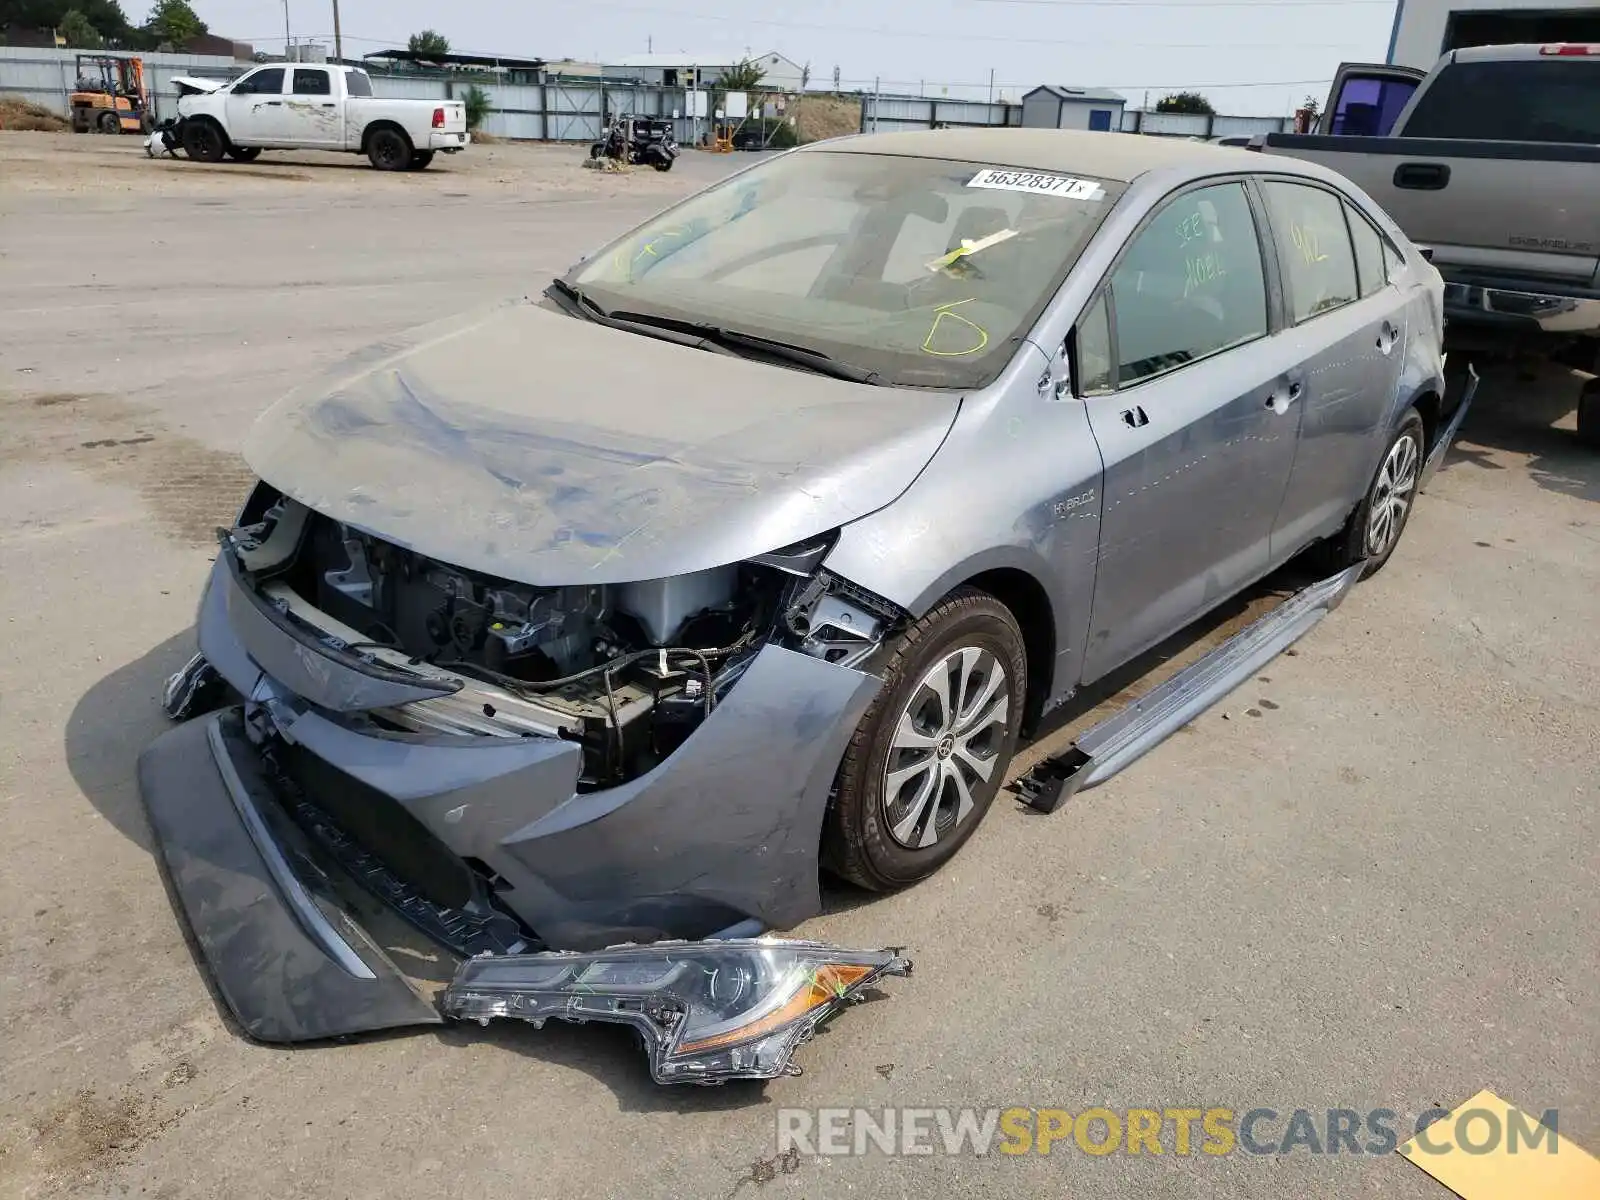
(1391,496)
(945,746)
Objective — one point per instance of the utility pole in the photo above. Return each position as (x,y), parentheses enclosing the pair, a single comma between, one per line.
(991,85)
(338,42)
(875,81)
(286,42)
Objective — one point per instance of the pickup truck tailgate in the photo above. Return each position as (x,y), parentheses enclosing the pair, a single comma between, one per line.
(1488,209)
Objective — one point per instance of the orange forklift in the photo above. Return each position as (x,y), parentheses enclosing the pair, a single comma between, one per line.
(110,95)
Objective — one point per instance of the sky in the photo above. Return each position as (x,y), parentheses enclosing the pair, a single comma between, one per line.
(1250,57)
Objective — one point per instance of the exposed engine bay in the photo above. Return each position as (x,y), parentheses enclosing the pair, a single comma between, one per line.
(629,670)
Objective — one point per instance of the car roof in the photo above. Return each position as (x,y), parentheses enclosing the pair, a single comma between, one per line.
(1120,157)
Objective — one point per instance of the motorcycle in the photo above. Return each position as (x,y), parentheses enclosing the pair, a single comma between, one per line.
(640,141)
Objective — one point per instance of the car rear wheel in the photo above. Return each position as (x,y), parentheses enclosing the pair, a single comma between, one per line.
(420,160)
(203,141)
(932,751)
(389,150)
(1374,529)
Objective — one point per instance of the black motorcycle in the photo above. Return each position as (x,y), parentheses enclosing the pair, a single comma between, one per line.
(641,141)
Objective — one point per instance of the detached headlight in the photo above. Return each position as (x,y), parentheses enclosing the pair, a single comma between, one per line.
(708,1011)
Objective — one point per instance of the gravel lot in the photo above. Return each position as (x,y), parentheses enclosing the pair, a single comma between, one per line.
(1369,879)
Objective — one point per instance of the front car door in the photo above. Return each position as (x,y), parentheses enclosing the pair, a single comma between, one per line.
(1351,324)
(255,106)
(311,114)
(1188,396)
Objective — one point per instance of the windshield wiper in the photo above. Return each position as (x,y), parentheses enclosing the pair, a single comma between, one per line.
(800,356)
(715,338)
(582,305)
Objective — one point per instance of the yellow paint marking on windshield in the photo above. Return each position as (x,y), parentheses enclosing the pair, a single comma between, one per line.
(943,312)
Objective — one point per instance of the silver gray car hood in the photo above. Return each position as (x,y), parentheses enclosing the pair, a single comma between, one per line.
(550,450)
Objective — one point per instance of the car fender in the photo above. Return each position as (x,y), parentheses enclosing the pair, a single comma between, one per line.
(1016,486)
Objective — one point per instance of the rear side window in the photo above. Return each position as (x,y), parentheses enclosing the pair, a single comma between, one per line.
(1371,273)
(357,84)
(1368,107)
(1319,266)
(1534,100)
(308,82)
(268,82)
(1190,284)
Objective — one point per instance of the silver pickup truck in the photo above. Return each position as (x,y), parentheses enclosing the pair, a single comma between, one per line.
(1491,163)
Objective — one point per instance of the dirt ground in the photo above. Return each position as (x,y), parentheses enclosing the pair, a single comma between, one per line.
(1368,879)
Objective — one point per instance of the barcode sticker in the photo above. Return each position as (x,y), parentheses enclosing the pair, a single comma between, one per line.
(1036,183)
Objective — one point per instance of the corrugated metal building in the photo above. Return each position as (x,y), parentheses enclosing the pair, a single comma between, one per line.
(1056,107)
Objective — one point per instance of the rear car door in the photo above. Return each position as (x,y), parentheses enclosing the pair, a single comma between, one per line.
(312,111)
(1190,413)
(1351,325)
(255,106)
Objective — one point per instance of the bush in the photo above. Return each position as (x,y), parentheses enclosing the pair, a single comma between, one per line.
(476,101)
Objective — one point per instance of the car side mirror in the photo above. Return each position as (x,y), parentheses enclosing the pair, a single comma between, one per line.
(1426,252)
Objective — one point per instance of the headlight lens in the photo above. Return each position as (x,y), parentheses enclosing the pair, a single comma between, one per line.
(708,1011)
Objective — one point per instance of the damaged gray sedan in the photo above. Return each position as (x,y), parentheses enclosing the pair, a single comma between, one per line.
(757,541)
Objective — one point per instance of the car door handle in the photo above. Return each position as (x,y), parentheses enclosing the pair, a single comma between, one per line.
(329,104)
(273,103)
(1284,395)
(1135,418)
(1422,177)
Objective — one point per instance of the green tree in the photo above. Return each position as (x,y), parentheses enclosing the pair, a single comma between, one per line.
(1312,105)
(429,43)
(173,22)
(476,102)
(1185,102)
(78,33)
(743,77)
(104,15)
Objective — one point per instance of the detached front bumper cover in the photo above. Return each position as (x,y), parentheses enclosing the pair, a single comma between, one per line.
(707,1011)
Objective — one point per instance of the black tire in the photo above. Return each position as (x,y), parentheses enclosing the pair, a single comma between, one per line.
(1357,540)
(203,141)
(662,164)
(595,150)
(420,160)
(859,841)
(108,122)
(389,149)
(1589,414)
(244,153)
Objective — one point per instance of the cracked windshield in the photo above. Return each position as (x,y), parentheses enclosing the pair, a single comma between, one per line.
(923,271)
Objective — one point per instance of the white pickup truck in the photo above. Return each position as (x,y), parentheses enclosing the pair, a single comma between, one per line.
(292,106)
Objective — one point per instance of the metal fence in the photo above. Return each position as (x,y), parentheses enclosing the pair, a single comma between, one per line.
(1205,125)
(887,114)
(48,77)
(576,110)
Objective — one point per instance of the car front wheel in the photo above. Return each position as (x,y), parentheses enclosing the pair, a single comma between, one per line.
(932,751)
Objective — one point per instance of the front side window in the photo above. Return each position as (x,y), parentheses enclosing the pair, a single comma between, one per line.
(1190,284)
(1529,100)
(266,82)
(1094,350)
(1319,266)
(309,82)
(924,270)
